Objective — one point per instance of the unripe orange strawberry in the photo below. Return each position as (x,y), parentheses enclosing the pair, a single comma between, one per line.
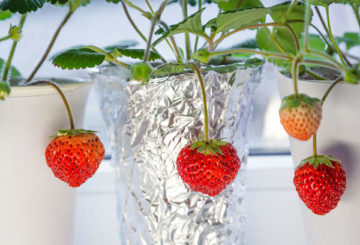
(320,182)
(300,116)
(74,155)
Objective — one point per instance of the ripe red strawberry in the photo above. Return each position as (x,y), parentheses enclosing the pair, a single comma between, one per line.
(320,182)
(300,116)
(208,167)
(74,155)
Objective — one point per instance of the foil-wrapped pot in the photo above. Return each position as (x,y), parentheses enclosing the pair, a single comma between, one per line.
(148,126)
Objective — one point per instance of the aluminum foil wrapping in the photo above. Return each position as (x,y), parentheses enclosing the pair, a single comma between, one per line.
(148,126)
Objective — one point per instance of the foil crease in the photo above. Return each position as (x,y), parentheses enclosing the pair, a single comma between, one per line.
(148,125)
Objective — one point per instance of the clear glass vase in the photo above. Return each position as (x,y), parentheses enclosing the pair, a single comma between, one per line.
(148,125)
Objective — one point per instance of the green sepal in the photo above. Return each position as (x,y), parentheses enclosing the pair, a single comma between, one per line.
(141,72)
(352,76)
(203,55)
(212,147)
(318,160)
(293,101)
(72,132)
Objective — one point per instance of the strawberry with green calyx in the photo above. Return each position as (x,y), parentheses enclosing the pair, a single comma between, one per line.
(4,90)
(208,165)
(74,155)
(320,181)
(300,115)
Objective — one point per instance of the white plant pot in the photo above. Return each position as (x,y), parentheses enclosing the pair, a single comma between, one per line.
(35,207)
(338,135)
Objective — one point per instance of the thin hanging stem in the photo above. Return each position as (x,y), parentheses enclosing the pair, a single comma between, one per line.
(187,37)
(337,81)
(295,74)
(332,36)
(12,51)
(315,145)
(51,44)
(58,89)
(206,119)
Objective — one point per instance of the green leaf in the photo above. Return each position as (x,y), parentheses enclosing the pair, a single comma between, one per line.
(328,2)
(265,42)
(57,1)
(5,14)
(135,53)
(21,6)
(14,73)
(351,39)
(191,24)
(280,13)
(78,58)
(233,4)
(239,18)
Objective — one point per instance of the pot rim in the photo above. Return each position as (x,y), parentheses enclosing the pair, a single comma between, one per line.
(67,85)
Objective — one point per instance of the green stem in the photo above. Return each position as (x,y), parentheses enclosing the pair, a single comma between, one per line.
(320,63)
(332,36)
(337,81)
(239,4)
(155,19)
(275,41)
(197,37)
(206,119)
(12,51)
(315,75)
(314,145)
(292,32)
(293,4)
(295,73)
(51,44)
(307,24)
(355,7)
(144,13)
(187,37)
(58,89)
(251,51)
(5,38)
(149,6)
(325,56)
(137,29)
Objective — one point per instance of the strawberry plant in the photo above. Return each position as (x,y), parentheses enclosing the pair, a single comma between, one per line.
(282,36)
(73,155)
